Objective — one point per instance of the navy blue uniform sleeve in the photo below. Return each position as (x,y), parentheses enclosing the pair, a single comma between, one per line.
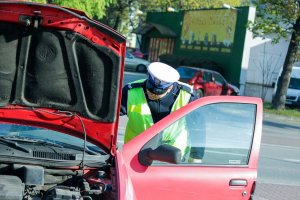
(123,110)
(193,97)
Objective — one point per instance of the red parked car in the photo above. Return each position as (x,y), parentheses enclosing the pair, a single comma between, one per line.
(136,52)
(206,82)
(61,80)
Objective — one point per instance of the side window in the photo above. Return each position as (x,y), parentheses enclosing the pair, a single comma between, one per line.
(128,55)
(186,72)
(207,76)
(215,134)
(294,83)
(219,79)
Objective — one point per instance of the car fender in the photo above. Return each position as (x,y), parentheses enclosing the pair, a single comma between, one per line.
(233,89)
(125,186)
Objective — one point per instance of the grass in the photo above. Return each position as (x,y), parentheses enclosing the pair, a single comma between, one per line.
(288,112)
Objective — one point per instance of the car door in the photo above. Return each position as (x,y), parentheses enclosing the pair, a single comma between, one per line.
(220,84)
(224,137)
(130,62)
(208,84)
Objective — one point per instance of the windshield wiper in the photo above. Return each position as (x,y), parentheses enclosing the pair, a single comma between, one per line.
(11,141)
(14,144)
(41,142)
(71,146)
(65,145)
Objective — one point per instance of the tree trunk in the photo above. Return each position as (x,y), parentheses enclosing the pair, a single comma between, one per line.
(117,23)
(121,6)
(278,101)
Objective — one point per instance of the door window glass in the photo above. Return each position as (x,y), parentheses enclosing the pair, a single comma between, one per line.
(128,55)
(294,83)
(215,134)
(219,79)
(186,73)
(207,76)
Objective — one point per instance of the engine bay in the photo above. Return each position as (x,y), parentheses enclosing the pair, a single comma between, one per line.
(34,166)
(30,182)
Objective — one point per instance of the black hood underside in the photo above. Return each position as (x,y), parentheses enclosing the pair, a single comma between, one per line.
(58,69)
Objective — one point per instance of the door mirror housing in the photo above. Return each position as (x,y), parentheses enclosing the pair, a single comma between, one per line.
(164,153)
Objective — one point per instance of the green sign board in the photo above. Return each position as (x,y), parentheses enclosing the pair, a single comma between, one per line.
(216,35)
(208,30)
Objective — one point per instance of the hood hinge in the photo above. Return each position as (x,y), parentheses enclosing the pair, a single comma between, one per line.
(35,20)
(112,147)
(113,150)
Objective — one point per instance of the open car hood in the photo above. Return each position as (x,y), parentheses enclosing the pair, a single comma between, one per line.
(60,70)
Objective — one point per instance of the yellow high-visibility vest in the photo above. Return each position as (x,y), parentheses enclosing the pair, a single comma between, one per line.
(140,119)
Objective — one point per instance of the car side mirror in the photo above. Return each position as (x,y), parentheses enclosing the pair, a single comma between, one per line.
(164,153)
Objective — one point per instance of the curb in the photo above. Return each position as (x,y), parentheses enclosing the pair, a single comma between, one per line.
(268,116)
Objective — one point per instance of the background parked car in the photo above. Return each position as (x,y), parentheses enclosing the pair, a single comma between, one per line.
(206,82)
(293,91)
(135,64)
(136,52)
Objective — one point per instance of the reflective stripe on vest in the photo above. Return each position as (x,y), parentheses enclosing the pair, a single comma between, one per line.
(140,119)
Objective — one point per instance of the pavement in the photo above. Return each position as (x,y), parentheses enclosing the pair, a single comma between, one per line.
(271,191)
(268,191)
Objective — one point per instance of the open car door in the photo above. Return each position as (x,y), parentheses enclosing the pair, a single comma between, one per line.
(221,160)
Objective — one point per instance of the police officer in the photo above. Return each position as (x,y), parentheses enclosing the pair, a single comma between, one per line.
(147,101)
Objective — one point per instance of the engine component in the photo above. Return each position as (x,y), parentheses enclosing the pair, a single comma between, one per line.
(11,188)
(60,192)
(30,175)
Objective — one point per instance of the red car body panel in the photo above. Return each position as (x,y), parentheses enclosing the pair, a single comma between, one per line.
(54,17)
(205,80)
(191,182)
(60,18)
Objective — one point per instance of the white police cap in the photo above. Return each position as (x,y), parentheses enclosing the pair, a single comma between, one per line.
(163,72)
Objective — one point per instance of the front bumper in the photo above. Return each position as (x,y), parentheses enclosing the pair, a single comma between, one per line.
(292,101)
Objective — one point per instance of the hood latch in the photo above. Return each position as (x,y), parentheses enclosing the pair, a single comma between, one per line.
(34,21)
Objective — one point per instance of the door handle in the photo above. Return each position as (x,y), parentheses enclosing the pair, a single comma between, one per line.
(238,182)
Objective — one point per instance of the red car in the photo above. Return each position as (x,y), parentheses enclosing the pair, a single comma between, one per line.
(61,79)
(206,82)
(136,52)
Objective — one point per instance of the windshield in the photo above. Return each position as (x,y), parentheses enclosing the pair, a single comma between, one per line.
(14,130)
(29,142)
(186,73)
(294,83)
(129,55)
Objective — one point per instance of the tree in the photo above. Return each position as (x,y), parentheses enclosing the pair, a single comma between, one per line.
(120,15)
(125,15)
(92,8)
(283,18)
(162,5)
